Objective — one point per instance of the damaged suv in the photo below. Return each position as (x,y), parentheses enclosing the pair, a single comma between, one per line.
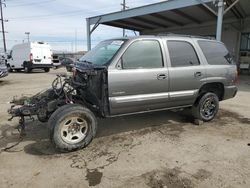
(133,75)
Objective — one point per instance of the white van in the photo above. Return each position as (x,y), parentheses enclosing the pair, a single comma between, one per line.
(31,55)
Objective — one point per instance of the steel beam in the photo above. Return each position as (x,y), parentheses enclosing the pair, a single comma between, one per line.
(122,25)
(164,18)
(208,10)
(150,22)
(143,26)
(220,20)
(180,13)
(231,6)
(88,34)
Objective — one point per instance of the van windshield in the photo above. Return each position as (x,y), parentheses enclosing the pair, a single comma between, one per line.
(103,52)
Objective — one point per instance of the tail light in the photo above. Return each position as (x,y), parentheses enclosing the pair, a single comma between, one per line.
(236,78)
(31,57)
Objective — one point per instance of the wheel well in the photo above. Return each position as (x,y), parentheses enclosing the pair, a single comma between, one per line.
(216,87)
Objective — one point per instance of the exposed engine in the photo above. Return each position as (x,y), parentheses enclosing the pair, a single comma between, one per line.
(87,86)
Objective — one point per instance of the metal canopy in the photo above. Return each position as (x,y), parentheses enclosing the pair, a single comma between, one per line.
(172,14)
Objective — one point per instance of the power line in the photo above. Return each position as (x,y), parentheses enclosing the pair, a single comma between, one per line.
(69,13)
(30,4)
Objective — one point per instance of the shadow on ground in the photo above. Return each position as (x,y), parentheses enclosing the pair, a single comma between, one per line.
(37,133)
(38,142)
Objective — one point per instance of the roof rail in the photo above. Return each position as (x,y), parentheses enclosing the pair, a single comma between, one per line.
(183,35)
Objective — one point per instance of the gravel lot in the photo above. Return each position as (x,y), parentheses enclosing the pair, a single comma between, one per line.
(162,149)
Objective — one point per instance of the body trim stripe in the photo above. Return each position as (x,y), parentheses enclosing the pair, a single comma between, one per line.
(154,96)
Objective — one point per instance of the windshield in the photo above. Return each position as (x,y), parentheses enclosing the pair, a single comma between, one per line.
(103,52)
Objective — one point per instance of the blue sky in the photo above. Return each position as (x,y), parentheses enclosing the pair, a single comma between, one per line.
(59,21)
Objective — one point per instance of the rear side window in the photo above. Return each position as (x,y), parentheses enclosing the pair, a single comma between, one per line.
(216,53)
(143,54)
(182,54)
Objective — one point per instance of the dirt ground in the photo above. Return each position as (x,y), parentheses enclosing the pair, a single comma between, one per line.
(162,149)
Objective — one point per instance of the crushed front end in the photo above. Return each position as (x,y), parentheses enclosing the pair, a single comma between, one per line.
(84,87)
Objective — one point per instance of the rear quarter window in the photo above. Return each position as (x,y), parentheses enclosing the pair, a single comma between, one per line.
(216,53)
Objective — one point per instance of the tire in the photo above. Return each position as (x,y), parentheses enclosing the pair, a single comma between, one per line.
(42,116)
(69,118)
(46,69)
(9,68)
(18,70)
(206,107)
(69,69)
(27,69)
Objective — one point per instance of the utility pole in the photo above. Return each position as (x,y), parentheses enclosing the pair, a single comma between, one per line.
(75,40)
(124,7)
(28,35)
(2,22)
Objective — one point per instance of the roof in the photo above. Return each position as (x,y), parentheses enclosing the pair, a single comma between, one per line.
(171,13)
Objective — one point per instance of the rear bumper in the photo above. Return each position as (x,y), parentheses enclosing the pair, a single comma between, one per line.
(3,72)
(57,64)
(230,92)
(39,66)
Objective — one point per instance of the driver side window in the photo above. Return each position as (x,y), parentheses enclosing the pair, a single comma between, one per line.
(142,54)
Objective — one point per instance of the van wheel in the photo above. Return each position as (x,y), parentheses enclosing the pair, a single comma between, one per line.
(9,68)
(206,107)
(27,69)
(46,69)
(72,127)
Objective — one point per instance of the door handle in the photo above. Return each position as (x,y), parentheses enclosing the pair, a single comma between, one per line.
(161,76)
(197,74)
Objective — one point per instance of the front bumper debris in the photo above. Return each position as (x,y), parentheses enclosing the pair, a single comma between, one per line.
(42,104)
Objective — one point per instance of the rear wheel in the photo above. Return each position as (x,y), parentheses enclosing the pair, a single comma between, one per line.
(72,127)
(206,107)
(27,69)
(46,69)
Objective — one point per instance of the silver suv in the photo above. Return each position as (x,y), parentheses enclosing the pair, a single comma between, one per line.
(134,75)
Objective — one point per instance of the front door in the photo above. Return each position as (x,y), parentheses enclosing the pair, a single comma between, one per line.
(140,80)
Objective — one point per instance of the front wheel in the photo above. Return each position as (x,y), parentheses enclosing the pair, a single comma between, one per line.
(206,107)
(72,127)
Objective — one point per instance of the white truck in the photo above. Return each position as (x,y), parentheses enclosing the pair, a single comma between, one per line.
(31,55)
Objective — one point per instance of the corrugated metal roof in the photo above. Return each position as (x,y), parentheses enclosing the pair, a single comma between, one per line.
(170,13)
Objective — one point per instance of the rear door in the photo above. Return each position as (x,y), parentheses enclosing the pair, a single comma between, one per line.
(41,53)
(186,71)
(46,54)
(139,82)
